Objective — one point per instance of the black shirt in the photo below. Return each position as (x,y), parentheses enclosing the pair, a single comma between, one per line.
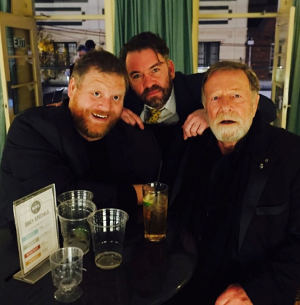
(214,185)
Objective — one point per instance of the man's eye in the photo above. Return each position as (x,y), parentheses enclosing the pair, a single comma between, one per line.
(97,93)
(155,69)
(116,98)
(136,76)
(214,98)
(236,95)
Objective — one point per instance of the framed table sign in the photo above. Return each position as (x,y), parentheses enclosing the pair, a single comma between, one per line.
(37,233)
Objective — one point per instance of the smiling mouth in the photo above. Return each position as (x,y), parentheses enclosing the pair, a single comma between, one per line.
(99,116)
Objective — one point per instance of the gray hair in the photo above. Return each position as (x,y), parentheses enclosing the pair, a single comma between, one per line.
(232,65)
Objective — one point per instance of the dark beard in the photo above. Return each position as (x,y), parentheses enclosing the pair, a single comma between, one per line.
(82,127)
(156,102)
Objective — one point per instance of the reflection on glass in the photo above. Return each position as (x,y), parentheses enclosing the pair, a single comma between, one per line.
(5,6)
(20,99)
(20,71)
(20,86)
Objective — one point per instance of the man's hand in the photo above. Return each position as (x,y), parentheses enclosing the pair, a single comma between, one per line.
(234,295)
(139,193)
(195,124)
(57,104)
(131,118)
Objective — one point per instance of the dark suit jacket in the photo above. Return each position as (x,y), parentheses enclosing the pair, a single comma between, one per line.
(43,147)
(268,237)
(187,89)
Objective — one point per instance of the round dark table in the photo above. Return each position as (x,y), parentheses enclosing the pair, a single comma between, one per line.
(150,274)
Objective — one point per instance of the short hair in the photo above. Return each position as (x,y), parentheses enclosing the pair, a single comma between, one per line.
(142,41)
(81,47)
(90,44)
(232,65)
(227,65)
(102,61)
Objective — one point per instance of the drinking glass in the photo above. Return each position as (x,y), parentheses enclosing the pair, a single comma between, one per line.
(74,227)
(155,207)
(75,194)
(66,271)
(108,230)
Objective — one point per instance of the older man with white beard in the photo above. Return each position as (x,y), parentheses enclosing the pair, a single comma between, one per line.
(241,195)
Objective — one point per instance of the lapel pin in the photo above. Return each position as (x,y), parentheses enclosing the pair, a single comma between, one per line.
(262,164)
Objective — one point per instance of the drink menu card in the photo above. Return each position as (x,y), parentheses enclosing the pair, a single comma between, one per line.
(37,232)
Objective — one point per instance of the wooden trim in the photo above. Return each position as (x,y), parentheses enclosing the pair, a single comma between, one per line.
(109,24)
(22,85)
(195,29)
(288,59)
(16,21)
(71,17)
(4,70)
(238,15)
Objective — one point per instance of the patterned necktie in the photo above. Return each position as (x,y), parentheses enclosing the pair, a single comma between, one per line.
(154,116)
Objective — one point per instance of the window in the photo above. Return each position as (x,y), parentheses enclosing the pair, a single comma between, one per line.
(208,53)
(55,58)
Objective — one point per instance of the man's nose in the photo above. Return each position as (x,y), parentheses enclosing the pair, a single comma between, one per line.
(226,103)
(147,81)
(104,103)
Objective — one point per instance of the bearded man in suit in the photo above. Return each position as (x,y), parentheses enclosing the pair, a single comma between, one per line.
(81,144)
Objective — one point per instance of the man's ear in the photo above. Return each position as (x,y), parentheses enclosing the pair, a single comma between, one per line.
(71,87)
(171,68)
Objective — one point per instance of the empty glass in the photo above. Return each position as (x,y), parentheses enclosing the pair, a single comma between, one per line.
(74,227)
(74,194)
(66,271)
(108,230)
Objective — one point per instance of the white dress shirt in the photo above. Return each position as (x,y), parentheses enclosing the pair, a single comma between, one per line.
(168,114)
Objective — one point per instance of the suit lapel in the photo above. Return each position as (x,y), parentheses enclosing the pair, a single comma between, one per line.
(261,161)
(257,181)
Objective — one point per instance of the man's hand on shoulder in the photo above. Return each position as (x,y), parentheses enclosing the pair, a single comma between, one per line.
(234,295)
(55,104)
(195,124)
(131,118)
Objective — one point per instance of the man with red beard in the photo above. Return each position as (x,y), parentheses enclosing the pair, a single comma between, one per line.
(164,103)
(80,144)
(241,197)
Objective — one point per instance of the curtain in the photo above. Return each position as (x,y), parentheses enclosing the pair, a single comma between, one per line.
(5,6)
(170,19)
(294,92)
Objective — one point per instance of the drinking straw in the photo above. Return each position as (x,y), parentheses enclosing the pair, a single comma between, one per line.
(158,178)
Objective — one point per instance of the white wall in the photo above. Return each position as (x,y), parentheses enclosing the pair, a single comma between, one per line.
(90,29)
(232,36)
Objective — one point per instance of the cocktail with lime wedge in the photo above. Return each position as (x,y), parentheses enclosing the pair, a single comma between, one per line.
(155,206)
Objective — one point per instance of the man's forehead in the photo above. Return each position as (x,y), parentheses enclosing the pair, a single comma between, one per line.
(142,59)
(233,76)
(95,77)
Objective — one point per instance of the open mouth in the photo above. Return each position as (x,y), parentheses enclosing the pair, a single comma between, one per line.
(227,122)
(99,116)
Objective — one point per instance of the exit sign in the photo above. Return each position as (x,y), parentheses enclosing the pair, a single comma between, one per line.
(19,42)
